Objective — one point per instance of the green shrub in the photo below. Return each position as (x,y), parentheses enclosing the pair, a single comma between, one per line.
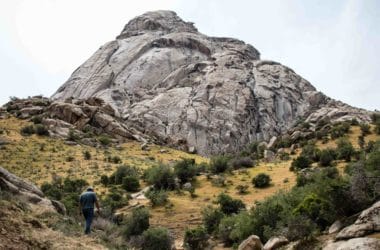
(161,176)
(52,191)
(345,149)
(36,119)
(365,128)
(114,200)
(317,209)
(131,183)
(195,239)
(225,228)
(300,162)
(339,129)
(41,130)
(157,197)
(211,218)
(73,135)
(157,239)
(121,172)
(261,180)
(327,156)
(104,180)
(219,164)
(311,152)
(104,140)
(228,205)
(185,170)
(28,130)
(137,222)
(87,155)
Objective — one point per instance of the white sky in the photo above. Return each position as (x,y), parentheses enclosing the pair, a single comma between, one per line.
(333,44)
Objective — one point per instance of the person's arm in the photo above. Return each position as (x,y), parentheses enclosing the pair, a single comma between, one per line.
(80,205)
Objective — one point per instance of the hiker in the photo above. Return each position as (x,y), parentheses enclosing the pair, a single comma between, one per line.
(86,206)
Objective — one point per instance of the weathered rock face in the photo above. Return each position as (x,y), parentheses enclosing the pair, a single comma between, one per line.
(368,222)
(170,82)
(17,186)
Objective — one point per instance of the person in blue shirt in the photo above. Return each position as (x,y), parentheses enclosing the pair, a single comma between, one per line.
(87,201)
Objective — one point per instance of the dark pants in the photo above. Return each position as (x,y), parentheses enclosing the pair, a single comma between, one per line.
(88,214)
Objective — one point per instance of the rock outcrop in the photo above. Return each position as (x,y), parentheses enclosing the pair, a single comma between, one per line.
(173,84)
(29,192)
(368,222)
(253,242)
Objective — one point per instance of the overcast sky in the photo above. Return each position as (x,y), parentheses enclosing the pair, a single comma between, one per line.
(333,44)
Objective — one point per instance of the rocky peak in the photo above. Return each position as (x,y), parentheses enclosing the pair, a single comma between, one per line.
(177,86)
(163,21)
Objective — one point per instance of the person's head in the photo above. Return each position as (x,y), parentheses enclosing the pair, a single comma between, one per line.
(90,189)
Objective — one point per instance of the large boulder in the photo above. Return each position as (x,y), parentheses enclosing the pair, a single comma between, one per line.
(253,242)
(275,243)
(367,223)
(354,244)
(29,192)
(189,90)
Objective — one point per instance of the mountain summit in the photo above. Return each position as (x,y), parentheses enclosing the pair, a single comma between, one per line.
(183,88)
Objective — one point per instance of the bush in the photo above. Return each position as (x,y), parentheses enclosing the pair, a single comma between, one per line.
(345,149)
(317,209)
(36,119)
(311,152)
(27,130)
(87,155)
(157,197)
(41,130)
(219,164)
(211,218)
(228,205)
(73,135)
(365,128)
(136,223)
(104,140)
(242,162)
(114,200)
(300,162)
(131,183)
(339,129)
(185,170)
(225,228)
(327,156)
(157,239)
(196,238)
(121,172)
(161,177)
(104,180)
(261,180)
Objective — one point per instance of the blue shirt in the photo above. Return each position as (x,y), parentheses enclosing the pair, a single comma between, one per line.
(87,199)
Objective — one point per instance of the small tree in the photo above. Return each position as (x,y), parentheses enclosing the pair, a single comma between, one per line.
(131,183)
(41,130)
(137,222)
(300,162)
(161,176)
(228,205)
(28,130)
(219,164)
(104,180)
(195,239)
(211,218)
(327,156)
(345,149)
(365,128)
(185,170)
(157,239)
(87,155)
(261,180)
(157,197)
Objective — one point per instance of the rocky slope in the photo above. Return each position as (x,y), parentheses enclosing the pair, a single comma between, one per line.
(171,83)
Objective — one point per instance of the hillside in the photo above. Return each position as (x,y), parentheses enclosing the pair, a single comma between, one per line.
(42,159)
